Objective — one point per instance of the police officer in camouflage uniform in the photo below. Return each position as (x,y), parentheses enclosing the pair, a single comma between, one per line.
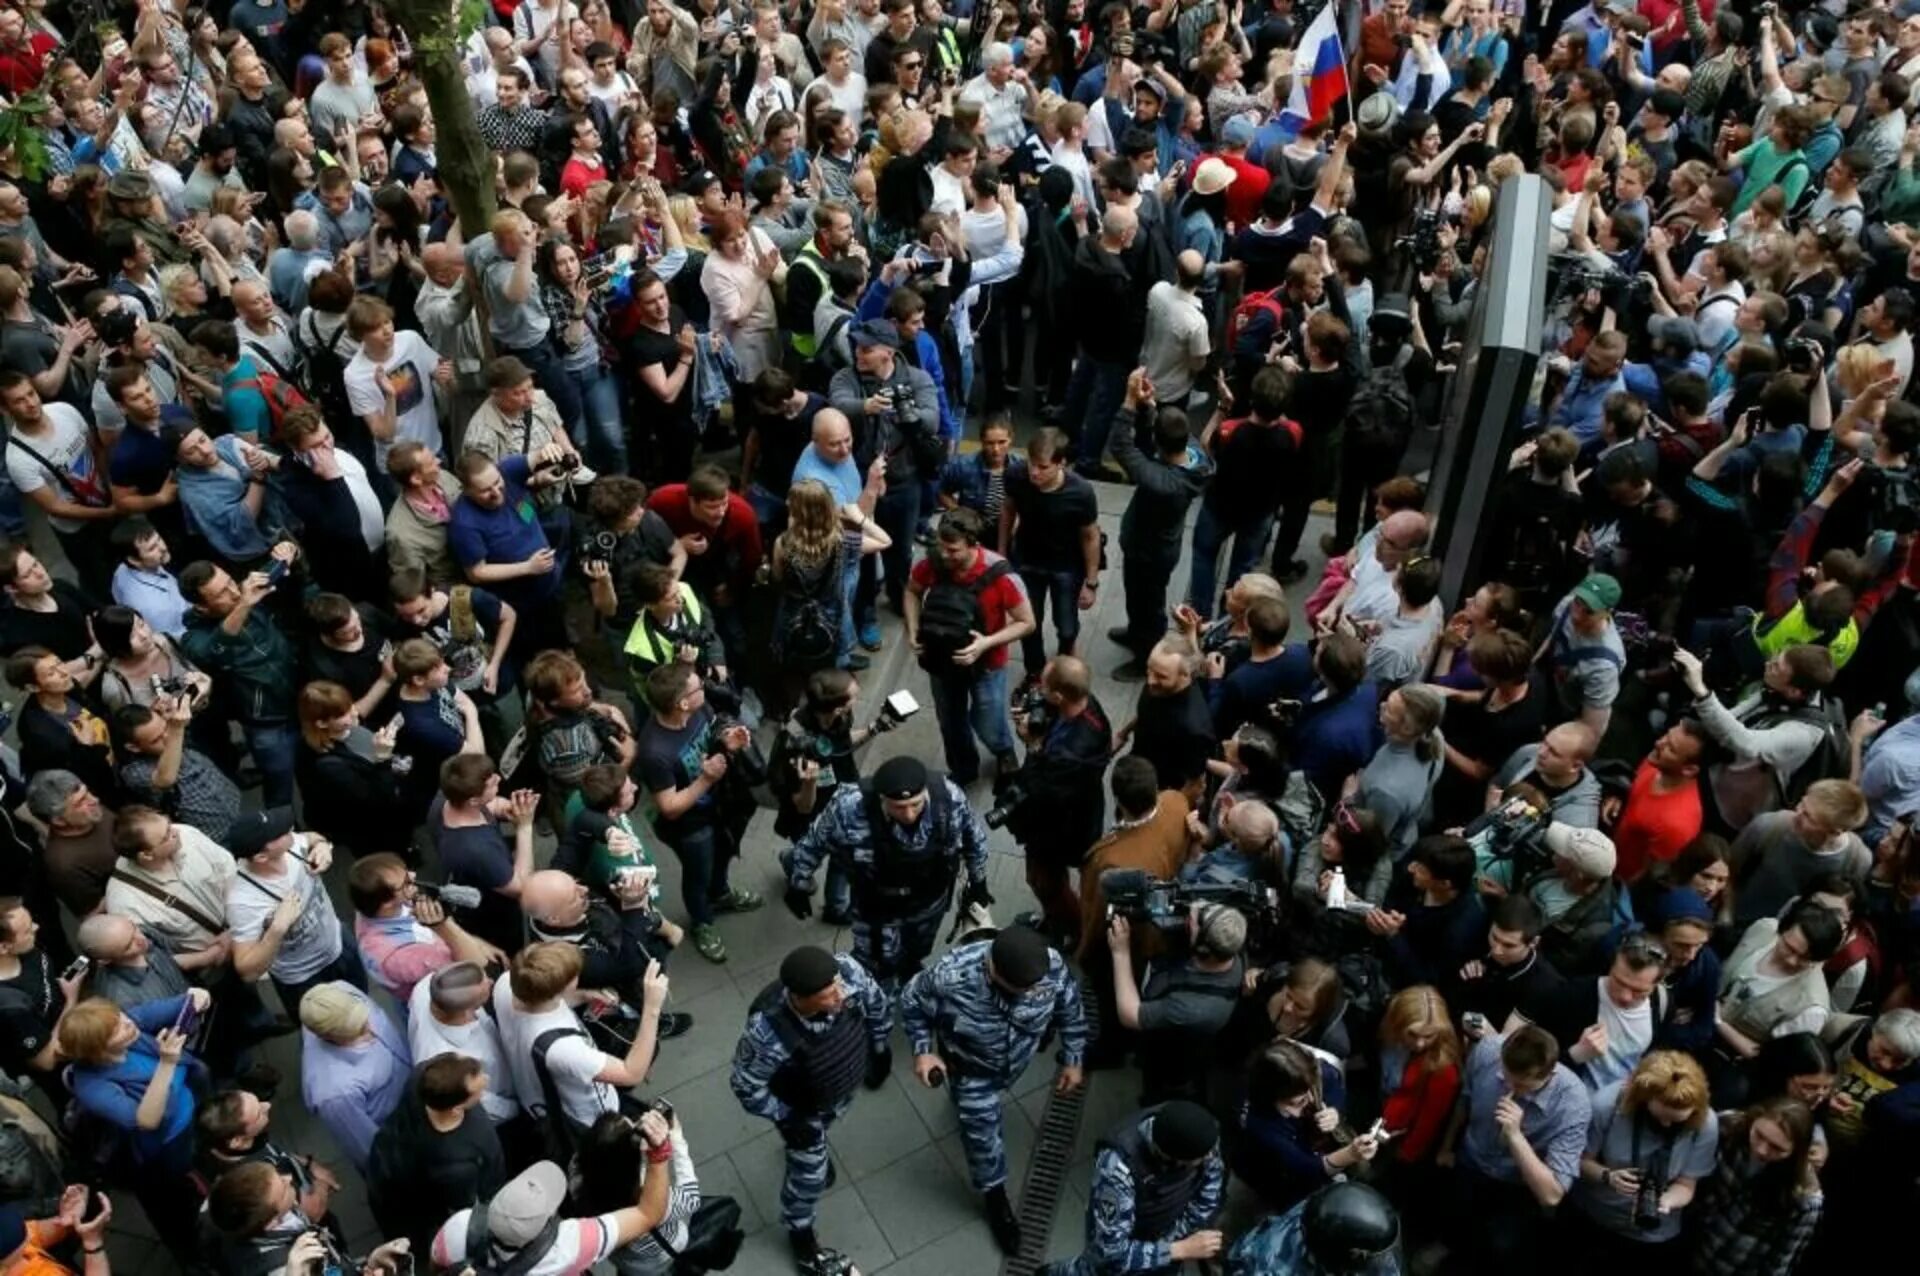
(1157,1182)
(811,1037)
(975,1019)
(903,837)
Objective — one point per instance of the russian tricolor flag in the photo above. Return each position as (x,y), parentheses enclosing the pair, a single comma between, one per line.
(1319,74)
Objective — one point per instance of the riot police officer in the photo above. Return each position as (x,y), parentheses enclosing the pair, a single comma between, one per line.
(975,1019)
(1344,1229)
(903,838)
(811,1037)
(1157,1182)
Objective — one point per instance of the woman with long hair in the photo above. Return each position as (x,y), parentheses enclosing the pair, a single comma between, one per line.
(608,1168)
(393,252)
(1290,1143)
(352,791)
(1705,867)
(1654,1138)
(577,311)
(810,562)
(1354,844)
(289,176)
(1759,1210)
(1419,1071)
(1302,1002)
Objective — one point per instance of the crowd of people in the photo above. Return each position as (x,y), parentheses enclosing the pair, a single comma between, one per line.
(389,597)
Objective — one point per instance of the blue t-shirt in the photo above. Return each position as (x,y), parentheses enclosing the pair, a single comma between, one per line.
(431,730)
(1245,693)
(510,534)
(246,405)
(842,479)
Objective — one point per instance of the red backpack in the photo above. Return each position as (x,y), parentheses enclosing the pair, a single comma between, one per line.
(282,395)
(1251,307)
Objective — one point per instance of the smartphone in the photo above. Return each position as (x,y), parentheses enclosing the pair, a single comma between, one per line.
(77,969)
(276,572)
(1474,1022)
(183,1022)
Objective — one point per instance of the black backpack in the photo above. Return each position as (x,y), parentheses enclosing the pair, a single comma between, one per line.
(808,636)
(1380,417)
(1831,757)
(951,614)
(322,373)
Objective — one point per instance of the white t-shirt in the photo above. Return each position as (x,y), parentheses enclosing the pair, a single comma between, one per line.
(373,524)
(64,446)
(428,1038)
(314,939)
(573,1061)
(1629,1033)
(410,369)
(579,1244)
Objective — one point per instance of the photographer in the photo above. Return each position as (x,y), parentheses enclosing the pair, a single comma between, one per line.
(894,409)
(671,626)
(903,839)
(1557,769)
(1054,806)
(685,754)
(609,1164)
(1654,1136)
(1179,1005)
(260,1229)
(617,536)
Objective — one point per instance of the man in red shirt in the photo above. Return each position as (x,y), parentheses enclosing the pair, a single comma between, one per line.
(1380,39)
(1250,180)
(584,165)
(969,681)
(1662,812)
(718,530)
(23,57)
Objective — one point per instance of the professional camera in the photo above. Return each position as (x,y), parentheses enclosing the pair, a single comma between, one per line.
(1515,831)
(1032,703)
(1422,243)
(1653,1185)
(1010,798)
(1138,896)
(598,545)
(170,687)
(1571,275)
(905,410)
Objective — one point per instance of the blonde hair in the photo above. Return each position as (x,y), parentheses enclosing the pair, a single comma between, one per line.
(686,214)
(1421,1006)
(172,280)
(1855,367)
(1837,803)
(813,523)
(1675,1078)
(86,1031)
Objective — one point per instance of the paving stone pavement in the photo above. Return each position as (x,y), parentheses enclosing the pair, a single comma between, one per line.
(901,1205)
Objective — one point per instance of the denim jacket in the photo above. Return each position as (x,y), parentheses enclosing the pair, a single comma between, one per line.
(965,479)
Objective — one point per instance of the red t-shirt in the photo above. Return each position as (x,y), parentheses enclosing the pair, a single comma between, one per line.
(996,600)
(577,174)
(1250,182)
(1654,826)
(21,69)
(739,536)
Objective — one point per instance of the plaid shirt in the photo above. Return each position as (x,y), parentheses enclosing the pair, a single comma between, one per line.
(507,130)
(202,796)
(1735,1233)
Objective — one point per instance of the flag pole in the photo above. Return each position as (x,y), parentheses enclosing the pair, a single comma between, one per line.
(1346,67)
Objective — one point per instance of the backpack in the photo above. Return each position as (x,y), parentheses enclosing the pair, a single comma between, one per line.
(1251,307)
(1380,417)
(281,394)
(809,638)
(1809,193)
(950,614)
(1831,756)
(323,373)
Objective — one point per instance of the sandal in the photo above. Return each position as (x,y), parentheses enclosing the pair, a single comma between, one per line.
(707,942)
(737,900)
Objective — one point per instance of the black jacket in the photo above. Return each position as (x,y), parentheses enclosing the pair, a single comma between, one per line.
(330,531)
(361,804)
(1156,517)
(1104,293)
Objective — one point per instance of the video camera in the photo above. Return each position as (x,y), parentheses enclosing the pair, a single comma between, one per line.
(1138,896)
(1422,242)
(1569,275)
(1895,497)
(1514,831)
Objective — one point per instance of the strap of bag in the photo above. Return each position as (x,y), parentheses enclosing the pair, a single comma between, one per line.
(59,476)
(172,901)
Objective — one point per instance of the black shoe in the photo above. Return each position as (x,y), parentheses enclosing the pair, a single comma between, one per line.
(674,1023)
(879,1068)
(1120,634)
(1331,547)
(1293,571)
(835,916)
(1134,670)
(280,1026)
(1000,1217)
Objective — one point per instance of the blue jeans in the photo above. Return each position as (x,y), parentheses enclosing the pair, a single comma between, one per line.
(769,508)
(1094,394)
(272,748)
(1064,590)
(706,853)
(849,585)
(966,707)
(1210,533)
(602,435)
(896,511)
(554,379)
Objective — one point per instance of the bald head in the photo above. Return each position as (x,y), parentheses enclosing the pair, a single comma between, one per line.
(1192,270)
(1403,533)
(553,898)
(1564,751)
(442,263)
(1117,226)
(107,937)
(832,435)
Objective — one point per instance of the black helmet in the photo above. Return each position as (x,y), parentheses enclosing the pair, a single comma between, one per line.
(1345,1225)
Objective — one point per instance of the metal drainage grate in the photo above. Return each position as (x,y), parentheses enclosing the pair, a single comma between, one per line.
(1053,1149)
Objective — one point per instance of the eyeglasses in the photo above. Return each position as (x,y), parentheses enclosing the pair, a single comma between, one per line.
(912,66)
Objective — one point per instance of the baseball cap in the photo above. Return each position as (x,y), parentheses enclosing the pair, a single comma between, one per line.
(1147,84)
(335,1011)
(1598,591)
(697,184)
(1238,132)
(1589,850)
(250,834)
(1674,332)
(518,1211)
(869,333)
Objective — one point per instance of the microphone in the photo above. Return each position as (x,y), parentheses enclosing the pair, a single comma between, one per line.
(451,894)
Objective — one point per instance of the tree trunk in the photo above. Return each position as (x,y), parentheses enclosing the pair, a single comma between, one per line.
(462,161)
